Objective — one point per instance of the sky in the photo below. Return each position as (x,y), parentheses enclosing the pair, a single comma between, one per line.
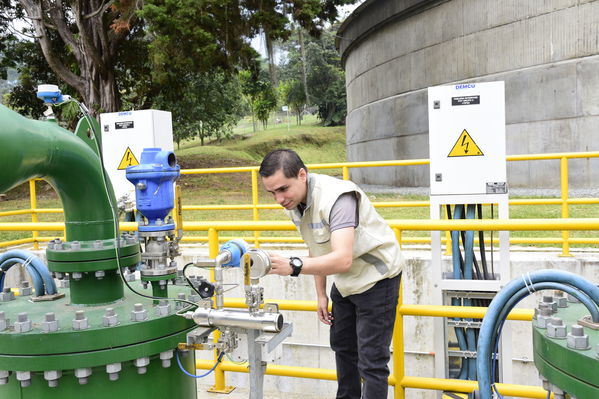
(344,11)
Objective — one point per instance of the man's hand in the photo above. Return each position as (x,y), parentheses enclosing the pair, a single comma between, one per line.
(322,308)
(279,265)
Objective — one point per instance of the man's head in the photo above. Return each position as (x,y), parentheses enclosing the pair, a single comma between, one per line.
(284,175)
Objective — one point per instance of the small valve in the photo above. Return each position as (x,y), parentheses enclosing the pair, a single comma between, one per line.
(205,288)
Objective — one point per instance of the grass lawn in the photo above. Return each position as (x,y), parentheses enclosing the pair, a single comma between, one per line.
(315,144)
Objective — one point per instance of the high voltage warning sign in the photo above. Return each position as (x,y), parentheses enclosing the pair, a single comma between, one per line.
(465,147)
(128,160)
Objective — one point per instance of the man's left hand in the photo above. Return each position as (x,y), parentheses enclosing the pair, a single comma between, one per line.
(279,265)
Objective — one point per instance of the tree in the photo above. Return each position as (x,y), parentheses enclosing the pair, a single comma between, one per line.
(325,78)
(293,94)
(80,40)
(208,105)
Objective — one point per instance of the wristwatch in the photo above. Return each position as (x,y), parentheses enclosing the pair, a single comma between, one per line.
(296,264)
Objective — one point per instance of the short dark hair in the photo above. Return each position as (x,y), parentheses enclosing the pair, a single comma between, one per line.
(284,159)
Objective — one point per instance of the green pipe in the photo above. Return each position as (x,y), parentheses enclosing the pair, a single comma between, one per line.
(70,164)
(35,149)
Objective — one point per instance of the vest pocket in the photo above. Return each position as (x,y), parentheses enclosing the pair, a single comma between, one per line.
(321,235)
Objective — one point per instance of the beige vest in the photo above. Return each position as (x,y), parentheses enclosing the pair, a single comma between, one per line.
(376,253)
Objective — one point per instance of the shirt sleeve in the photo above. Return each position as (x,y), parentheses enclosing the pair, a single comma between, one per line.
(344,212)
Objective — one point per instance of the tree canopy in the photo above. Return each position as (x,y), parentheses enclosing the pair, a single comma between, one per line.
(112,52)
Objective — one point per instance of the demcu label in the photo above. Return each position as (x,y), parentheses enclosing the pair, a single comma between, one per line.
(123,125)
(465,100)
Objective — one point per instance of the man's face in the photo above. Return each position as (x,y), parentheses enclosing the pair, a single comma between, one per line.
(287,191)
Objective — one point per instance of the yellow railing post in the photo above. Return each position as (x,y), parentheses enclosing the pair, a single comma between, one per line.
(255,212)
(345,170)
(219,374)
(564,198)
(398,236)
(34,219)
(399,391)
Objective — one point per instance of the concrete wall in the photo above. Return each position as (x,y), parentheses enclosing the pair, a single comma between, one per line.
(545,51)
(309,344)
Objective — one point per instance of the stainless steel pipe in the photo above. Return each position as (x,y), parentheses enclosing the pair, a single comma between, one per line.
(268,322)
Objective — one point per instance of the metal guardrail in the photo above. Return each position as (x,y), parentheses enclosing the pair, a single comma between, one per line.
(564,201)
(399,380)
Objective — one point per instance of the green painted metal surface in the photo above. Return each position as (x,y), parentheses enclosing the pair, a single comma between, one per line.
(573,371)
(97,336)
(156,383)
(36,149)
(96,346)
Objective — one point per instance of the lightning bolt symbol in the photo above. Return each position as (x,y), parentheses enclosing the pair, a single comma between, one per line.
(465,144)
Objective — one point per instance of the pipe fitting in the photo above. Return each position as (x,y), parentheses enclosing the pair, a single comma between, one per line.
(4,374)
(52,376)
(24,377)
(166,357)
(139,313)
(141,364)
(82,375)
(50,324)
(80,322)
(577,339)
(23,324)
(110,318)
(556,328)
(113,370)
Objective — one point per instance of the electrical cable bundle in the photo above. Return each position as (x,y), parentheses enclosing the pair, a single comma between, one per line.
(467,267)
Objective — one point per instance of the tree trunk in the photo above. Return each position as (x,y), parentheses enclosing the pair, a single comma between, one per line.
(304,62)
(93,31)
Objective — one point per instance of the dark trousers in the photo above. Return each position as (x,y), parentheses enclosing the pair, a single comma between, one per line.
(360,336)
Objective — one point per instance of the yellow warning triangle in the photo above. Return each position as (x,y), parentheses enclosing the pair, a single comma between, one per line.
(465,147)
(128,160)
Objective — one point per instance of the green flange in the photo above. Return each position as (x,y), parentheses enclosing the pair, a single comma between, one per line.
(96,337)
(79,251)
(573,371)
(157,383)
(86,258)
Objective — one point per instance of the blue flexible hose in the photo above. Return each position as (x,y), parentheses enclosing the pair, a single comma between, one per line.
(524,292)
(187,373)
(36,279)
(36,264)
(493,320)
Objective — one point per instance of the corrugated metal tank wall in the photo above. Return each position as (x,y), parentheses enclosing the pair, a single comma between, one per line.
(545,51)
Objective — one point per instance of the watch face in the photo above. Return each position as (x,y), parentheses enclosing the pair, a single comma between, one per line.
(296,262)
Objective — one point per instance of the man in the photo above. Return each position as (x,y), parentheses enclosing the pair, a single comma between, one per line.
(348,239)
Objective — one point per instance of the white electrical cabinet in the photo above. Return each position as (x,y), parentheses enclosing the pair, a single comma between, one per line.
(467,139)
(124,136)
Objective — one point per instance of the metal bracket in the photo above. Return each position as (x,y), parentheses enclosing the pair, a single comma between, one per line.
(272,340)
(464,323)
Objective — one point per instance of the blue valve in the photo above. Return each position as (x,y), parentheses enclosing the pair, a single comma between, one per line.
(154,194)
(236,248)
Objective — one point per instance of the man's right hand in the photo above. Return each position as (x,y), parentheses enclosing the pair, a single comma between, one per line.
(322,308)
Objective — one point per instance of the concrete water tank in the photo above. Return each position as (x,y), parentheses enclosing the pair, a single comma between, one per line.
(547,52)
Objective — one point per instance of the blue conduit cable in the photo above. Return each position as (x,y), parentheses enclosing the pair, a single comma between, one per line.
(218,360)
(492,319)
(468,275)
(36,263)
(457,275)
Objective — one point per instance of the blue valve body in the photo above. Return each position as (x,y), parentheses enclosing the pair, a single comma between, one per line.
(236,248)
(154,194)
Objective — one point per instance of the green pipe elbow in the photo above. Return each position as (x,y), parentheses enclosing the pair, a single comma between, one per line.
(37,149)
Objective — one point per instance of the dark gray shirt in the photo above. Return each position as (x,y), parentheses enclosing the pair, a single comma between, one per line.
(344,212)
